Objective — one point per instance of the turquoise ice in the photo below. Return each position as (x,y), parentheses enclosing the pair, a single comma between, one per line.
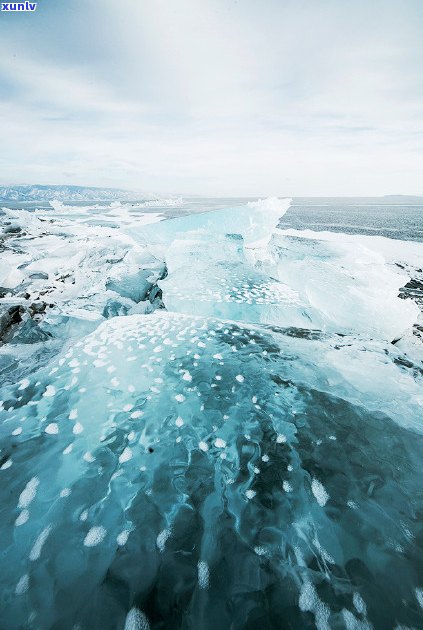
(248,457)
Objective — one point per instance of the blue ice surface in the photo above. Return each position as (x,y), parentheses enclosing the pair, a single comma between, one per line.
(239,460)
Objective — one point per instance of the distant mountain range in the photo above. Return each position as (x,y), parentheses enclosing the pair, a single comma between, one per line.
(67,193)
(44,193)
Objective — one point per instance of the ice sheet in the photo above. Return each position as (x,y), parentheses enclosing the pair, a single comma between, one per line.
(249,455)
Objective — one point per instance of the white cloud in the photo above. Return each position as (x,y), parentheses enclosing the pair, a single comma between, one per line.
(217,96)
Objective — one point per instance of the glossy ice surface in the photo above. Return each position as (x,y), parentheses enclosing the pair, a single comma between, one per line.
(248,457)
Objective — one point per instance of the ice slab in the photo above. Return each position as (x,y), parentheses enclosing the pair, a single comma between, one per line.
(348,282)
(237,265)
(254,222)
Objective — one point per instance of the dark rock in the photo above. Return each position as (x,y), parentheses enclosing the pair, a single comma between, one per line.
(10,315)
(12,229)
(39,275)
(37,307)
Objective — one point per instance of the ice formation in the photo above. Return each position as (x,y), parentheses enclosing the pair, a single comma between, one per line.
(248,456)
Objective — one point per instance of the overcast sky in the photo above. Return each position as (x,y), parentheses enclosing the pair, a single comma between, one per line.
(221,97)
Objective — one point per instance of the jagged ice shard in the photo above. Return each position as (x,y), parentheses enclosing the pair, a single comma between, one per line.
(248,457)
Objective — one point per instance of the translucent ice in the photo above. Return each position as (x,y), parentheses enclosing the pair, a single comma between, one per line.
(346,282)
(249,457)
(235,265)
(201,479)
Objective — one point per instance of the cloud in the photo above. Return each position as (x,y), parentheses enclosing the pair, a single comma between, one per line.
(215,96)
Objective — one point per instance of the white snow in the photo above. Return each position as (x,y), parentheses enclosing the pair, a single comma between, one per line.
(28,493)
(319,492)
(95,536)
(203,574)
